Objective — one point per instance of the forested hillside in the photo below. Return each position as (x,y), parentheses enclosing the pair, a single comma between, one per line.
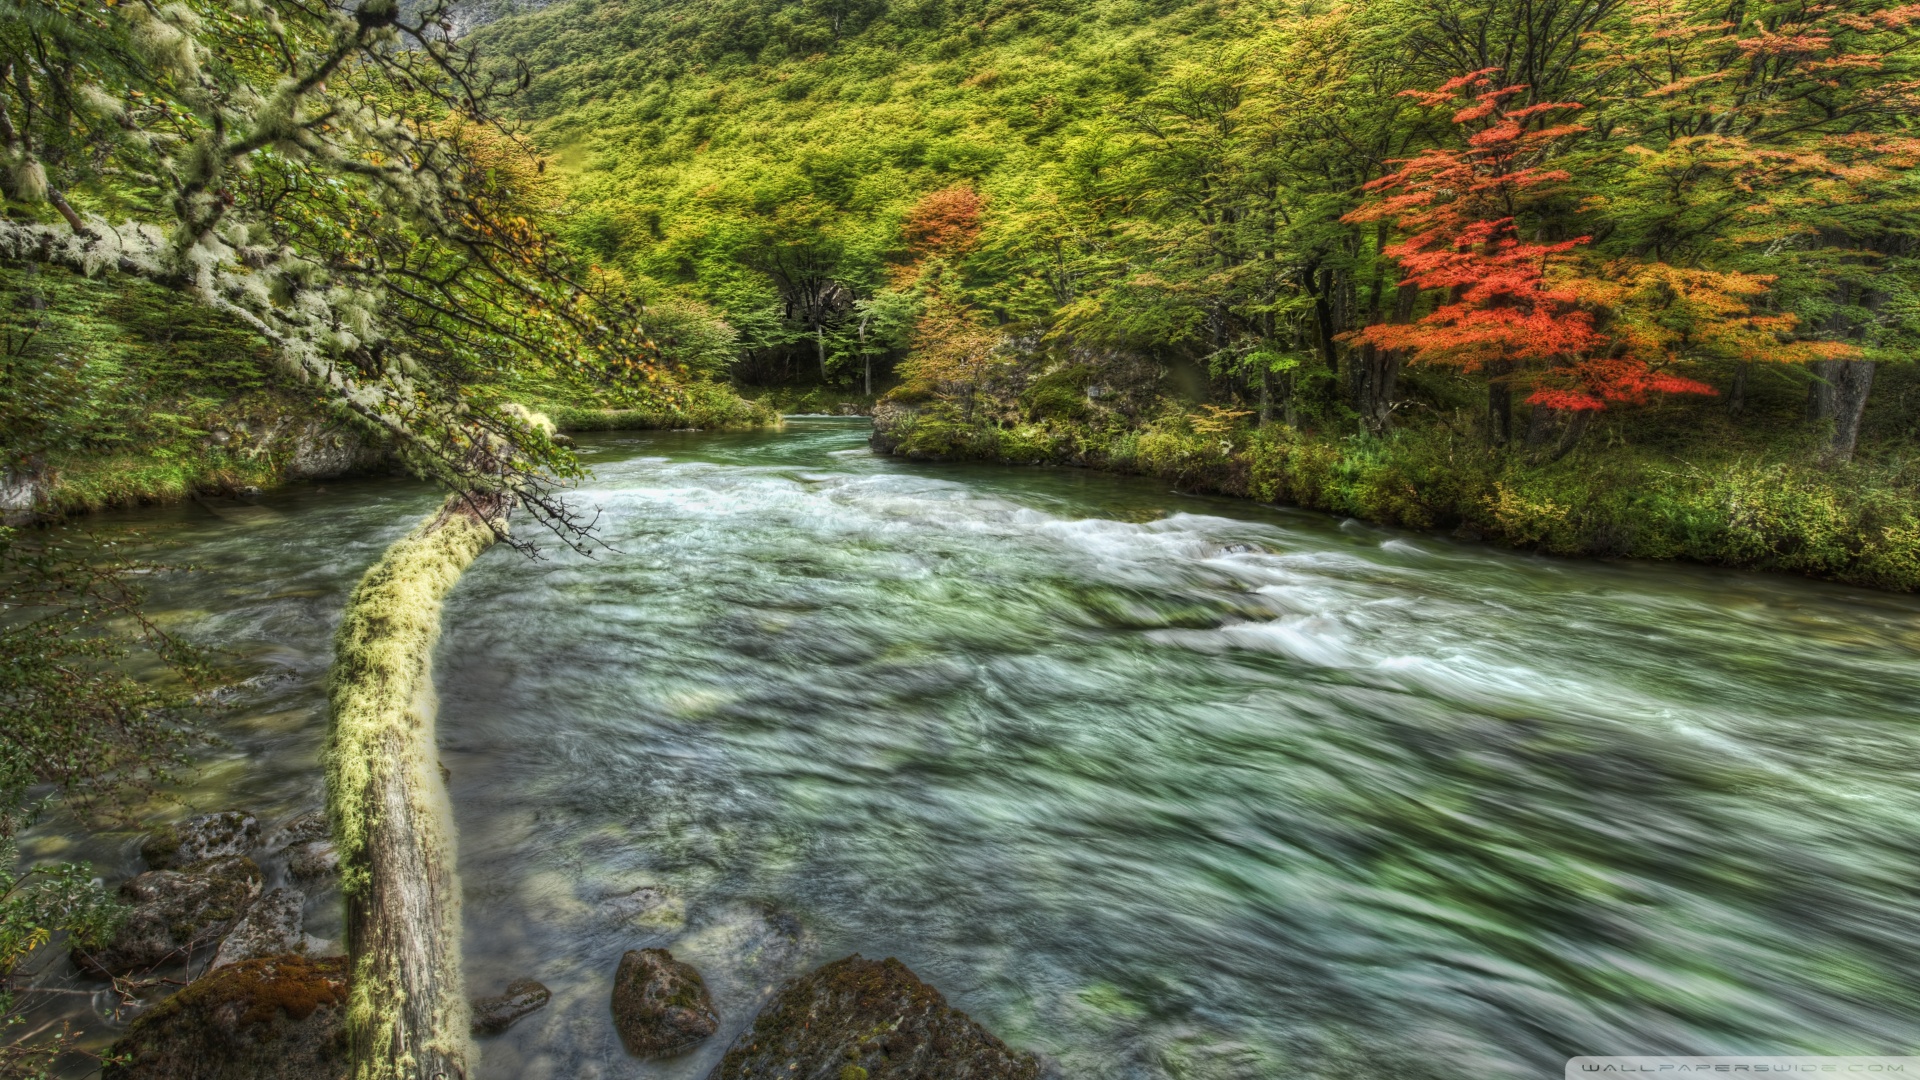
(1617,277)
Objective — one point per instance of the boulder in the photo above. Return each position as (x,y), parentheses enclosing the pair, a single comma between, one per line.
(305,828)
(273,925)
(271,1018)
(313,860)
(661,1006)
(175,913)
(209,836)
(493,1015)
(857,1019)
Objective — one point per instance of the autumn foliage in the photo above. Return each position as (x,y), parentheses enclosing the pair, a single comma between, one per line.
(1508,301)
(953,347)
(944,222)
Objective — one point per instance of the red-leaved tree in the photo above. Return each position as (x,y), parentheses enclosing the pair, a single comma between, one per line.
(1519,310)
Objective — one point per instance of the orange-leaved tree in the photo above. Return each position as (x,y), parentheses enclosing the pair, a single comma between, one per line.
(1774,137)
(1528,313)
(954,349)
(944,223)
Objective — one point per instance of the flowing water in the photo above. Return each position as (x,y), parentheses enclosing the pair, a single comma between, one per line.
(1159,786)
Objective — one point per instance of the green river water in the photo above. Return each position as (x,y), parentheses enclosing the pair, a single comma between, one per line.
(1158,786)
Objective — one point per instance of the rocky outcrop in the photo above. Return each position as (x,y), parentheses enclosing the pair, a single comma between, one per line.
(175,913)
(660,1005)
(275,1018)
(22,489)
(857,1019)
(272,926)
(209,836)
(305,842)
(493,1015)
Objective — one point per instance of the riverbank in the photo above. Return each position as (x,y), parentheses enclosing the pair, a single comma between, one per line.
(265,441)
(123,394)
(1753,508)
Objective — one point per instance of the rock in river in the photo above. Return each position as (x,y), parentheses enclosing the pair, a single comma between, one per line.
(313,860)
(858,1019)
(209,836)
(493,1015)
(273,1018)
(175,913)
(302,829)
(270,927)
(661,1006)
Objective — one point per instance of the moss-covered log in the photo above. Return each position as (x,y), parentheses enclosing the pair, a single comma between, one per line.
(407,1017)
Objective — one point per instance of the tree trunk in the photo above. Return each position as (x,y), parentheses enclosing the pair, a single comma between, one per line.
(1737,394)
(866,357)
(1543,424)
(408,1016)
(1820,393)
(1852,382)
(1377,372)
(1323,318)
(1561,429)
(1499,403)
(1266,397)
(820,348)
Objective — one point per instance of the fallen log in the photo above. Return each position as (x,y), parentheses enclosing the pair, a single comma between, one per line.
(407,1011)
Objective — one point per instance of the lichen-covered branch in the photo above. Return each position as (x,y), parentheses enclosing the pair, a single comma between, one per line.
(335,175)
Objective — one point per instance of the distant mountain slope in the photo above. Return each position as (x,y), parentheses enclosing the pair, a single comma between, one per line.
(698,135)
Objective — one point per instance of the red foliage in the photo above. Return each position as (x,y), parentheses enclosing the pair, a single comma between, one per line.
(1508,300)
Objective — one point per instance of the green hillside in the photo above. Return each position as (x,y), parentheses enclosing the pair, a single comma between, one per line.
(724,149)
(1162,238)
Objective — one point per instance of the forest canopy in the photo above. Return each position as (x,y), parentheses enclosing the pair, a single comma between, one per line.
(1576,206)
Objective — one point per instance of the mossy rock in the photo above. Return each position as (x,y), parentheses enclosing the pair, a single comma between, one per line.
(661,1006)
(274,1018)
(858,1019)
(209,836)
(175,913)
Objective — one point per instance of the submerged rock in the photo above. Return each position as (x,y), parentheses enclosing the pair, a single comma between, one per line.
(857,1019)
(273,925)
(209,836)
(272,1018)
(175,913)
(305,828)
(660,1005)
(313,860)
(493,1015)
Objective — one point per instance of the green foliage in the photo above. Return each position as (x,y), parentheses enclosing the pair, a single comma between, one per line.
(37,904)
(71,713)
(74,713)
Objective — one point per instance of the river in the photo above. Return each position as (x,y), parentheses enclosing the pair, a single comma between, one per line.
(1160,786)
